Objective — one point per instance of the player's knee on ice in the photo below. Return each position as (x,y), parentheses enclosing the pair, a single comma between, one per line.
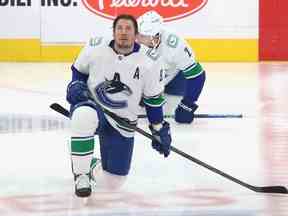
(84,121)
(108,181)
(116,151)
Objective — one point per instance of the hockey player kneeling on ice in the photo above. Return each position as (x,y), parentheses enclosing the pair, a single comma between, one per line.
(183,75)
(113,74)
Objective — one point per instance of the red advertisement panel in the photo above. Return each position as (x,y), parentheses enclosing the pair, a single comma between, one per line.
(273,30)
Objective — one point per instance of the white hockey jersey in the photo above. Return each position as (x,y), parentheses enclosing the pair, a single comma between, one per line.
(117,82)
(177,56)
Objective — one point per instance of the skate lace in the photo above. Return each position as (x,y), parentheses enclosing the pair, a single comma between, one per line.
(83,181)
(95,163)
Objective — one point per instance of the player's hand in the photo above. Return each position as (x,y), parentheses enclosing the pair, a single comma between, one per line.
(77,91)
(162,141)
(185,113)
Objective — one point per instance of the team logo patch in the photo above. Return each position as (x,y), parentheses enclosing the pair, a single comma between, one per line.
(113,86)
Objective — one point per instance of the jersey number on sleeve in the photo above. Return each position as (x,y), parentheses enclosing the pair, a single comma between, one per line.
(187,51)
(153,54)
(161,75)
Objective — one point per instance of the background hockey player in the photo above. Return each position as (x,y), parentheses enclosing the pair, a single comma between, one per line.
(115,74)
(183,75)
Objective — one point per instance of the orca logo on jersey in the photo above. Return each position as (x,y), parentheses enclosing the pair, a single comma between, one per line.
(112,87)
(169,9)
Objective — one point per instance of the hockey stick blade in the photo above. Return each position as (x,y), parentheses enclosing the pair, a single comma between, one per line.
(58,108)
(271,189)
(266,189)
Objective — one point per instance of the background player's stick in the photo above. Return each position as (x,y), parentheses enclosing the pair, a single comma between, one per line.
(266,189)
(66,113)
(204,116)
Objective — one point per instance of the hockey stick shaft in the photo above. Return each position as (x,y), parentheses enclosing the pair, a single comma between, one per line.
(267,189)
(66,113)
(204,116)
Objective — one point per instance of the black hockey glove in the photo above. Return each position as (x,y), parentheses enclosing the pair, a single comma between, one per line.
(162,141)
(185,113)
(77,91)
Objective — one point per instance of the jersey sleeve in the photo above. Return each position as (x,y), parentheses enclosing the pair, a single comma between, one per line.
(184,57)
(82,61)
(154,85)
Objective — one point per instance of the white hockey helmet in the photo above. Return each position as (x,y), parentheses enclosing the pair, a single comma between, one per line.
(150,23)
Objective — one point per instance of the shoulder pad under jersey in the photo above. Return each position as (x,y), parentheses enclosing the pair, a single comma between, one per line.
(95,41)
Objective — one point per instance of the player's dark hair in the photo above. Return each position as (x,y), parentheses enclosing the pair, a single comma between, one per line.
(126,17)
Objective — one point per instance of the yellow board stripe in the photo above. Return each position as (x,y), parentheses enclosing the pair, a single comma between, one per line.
(206,50)
(59,53)
(225,49)
(19,49)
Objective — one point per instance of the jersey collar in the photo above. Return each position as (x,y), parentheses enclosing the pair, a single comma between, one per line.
(135,49)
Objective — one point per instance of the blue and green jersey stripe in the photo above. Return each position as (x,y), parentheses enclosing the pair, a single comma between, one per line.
(155,101)
(193,71)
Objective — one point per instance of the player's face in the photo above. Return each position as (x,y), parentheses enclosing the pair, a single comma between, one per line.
(124,34)
(150,41)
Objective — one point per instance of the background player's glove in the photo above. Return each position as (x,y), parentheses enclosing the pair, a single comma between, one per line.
(77,91)
(185,113)
(164,136)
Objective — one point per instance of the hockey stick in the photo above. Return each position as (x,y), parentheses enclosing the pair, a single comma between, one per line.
(204,116)
(266,189)
(66,113)
(60,109)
